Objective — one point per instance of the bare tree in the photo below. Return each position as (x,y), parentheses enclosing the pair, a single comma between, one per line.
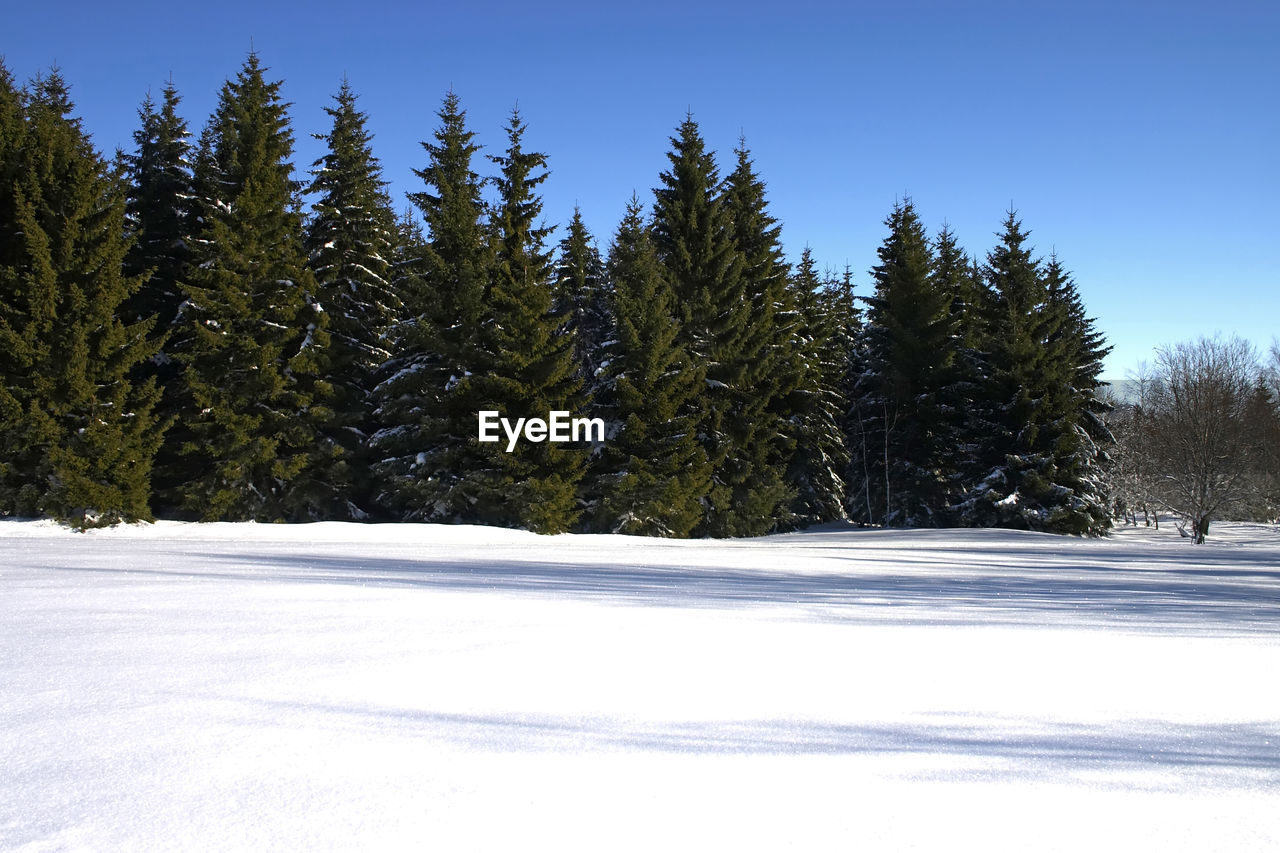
(1264,421)
(1202,444)
(1273,368)
(1130,472)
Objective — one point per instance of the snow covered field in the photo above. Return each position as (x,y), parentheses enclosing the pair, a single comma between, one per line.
(322,686)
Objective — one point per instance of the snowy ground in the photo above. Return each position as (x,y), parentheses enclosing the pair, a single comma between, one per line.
(456,688)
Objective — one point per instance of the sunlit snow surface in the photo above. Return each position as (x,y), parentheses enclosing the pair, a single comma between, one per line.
(216,687)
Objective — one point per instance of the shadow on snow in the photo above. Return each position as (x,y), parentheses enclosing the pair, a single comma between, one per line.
(912,586)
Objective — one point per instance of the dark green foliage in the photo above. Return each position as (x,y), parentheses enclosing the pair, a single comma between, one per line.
(77,436)
(767,368)
(28,313)
(969,415)
(350,243)
(582,293)
(256,361)
(903,440)
(1018,468)
(693,237)
(162,220)
(335,368)
(1081,450)
(693,233)
(160,210)
(1038,457)
(820,462)
(531,369)
(848,357)
(13,130)
(959,279)
(430,465)
(652,471)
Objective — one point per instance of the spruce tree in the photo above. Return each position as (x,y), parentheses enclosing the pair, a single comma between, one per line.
(162,221)
(531,369)
(255,366)
(28,313)
(1034,457)
(430,465)
(848,346)
(1013,330)
(159,209)
(582,294)
(1081,449)
(957,276)
(769,367)
(28,309)
(13,129)
(967,415)
(905,443)
(819,464)
(77,435)
(350,242)
(694,237)
(652,471)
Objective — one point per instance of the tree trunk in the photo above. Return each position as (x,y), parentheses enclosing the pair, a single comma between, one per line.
(885,409)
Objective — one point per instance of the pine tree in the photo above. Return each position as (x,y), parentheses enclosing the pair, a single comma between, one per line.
(350,243)
(582,293)
(159,210)
(28,312)
(1034,455)
(652,471)
(78,436)
(769,368)
(161,218)
(968,418)
(910,352)
(430,465)
(957,276)
(848,354)
(820,462)
(1081,448)
(1014,330)
(694,239)
(531,369)
(12,132)
(258,339)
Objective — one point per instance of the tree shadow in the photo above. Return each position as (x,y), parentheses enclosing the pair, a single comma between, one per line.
(995,747)
(846,584)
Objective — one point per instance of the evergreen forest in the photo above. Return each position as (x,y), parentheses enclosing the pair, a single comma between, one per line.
(200,328)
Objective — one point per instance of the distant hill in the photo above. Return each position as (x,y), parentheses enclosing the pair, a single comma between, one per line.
(1122,390)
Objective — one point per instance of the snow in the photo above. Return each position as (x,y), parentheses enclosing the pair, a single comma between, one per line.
(244,686)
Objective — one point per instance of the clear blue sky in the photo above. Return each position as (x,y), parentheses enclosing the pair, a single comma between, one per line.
(1139,140)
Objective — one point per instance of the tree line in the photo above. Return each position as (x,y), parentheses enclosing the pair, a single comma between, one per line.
(194,331)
